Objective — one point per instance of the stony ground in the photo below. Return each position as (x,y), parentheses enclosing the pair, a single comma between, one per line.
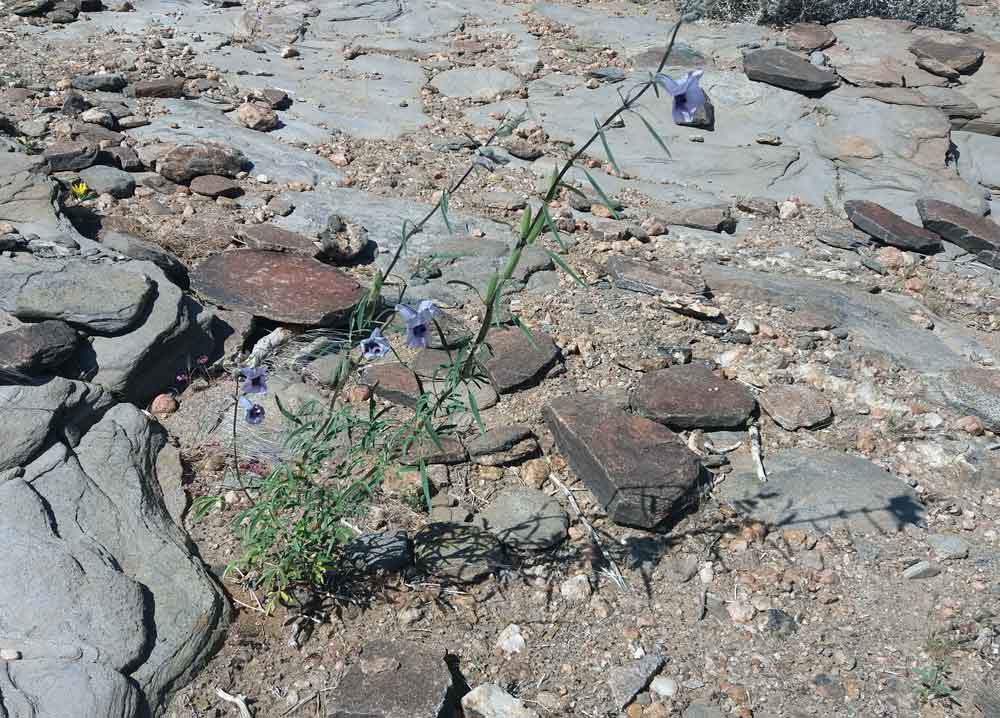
(862,579)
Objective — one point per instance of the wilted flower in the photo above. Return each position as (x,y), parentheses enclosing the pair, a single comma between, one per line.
(375,346)
(417,322)
(254,380)
(252,411)
(688,96)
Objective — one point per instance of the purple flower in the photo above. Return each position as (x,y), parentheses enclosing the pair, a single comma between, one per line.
(182,378)
(417,322)
(688,96)
(253,380)
(486,163)
(252,411)
(376,346)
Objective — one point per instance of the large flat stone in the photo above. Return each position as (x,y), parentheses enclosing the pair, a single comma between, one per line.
(796,406)
(518,362)
(690,396)
(787,70)
(973,390)
(650,278)
(526,519)
(823,490)
(640,471)
(36,348)
(961,58)
(888,227)
(279,286)
(462,553)
(187,161)
(475,82)
(973,233)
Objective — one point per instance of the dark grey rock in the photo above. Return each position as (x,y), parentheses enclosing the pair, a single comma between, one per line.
(381,551)
(135,248)
(503,445)
(780,623)
(526,519)
(973,233)
(787,70)
(650,278)
(518,362)
(888,227)
(109,180)
(626,682)
(822,490)
(68,156)
(110,82)
(972,390)
(692,397)
(37,348)
(458,552)
(640,471)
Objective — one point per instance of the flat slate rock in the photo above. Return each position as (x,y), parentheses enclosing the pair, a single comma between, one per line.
(627,681)
(109,180)
(689,396)
(844,238)
(109,301)
(271,237)
(393,382)
(165,87)
(975,234)
(961,58)
(823,490)
(649,278)
(279,286)
(393,679)
(476,82)
(70,156)
(135,248)
(526,519)
(458,552)
(975,391)
(787,70)
(888,227)
(504,445)
(215,186)
(379,551)
(809,37)
(640,471)
(516,363)
(796,406)
(35,348)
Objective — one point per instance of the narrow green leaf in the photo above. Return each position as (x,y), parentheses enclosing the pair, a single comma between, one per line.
(425,482)
(433,434)
(600,193)
(656,136)
(607,147)
(527,333)
(553,182)
(565,267)
(553,229)
(571,188)
(525,223)
(285,413)
(474,408)
(444,211)
(536,228)
(466,285)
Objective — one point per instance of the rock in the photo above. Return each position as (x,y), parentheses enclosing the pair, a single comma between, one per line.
(511,640)
(110,301)
(475,82)
(30,7)
(257,116)
(844,238)
(98,116)
(491,701)
(808,37)
(663,687)
(526,519)
(109,180)
(702,710)
(135,248)
(890,228)
(524,150)
(975,234)
(576,589)
(785,69)
(960,57)
(639,471)
(99,83)
(937,68)
(271,237)
(103,552)
(712,219)
(458,552)
(37,348)
(690,396)
(276,99)
(163,405)
(974,391)
(448,451)
(185,162)
(760,206)
(74,103)
(504,445)
(278,286)
(780,623)
(343,243)
(122,157)
(215,186)
(649,278)
(163,87)
(823,490)
(922,569)
(796,406)
(393,679)
(393,382)
(516,363)
(626,682)
(381,551)
(948,547)
(69,156)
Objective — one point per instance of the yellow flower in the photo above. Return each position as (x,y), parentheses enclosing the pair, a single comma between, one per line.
(79,189)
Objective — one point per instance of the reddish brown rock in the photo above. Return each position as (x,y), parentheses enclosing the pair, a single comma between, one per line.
(279,286)
(640,471)
(785,69)
(517,362)
(888,227)
(975,234)
(959,57)
(215,186)
(796,406)
(164,87)
(35,348)
(257,116)
(268,236)
(650,278)
(689,396)
(393,382)
(809,36)
(185,162)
